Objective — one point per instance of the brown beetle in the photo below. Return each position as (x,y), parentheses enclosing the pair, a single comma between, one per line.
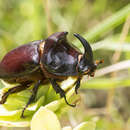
(51,59)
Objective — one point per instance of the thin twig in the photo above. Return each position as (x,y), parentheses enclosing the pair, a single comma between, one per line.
(72,119)
(123,36)
(115,59)
(47,7)
(108,24)
(111,46)
(113,68)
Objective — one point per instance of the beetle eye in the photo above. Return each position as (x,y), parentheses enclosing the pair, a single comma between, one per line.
(83,68)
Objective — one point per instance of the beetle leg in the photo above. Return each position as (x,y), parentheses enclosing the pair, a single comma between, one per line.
(34,92)
(59,90)
(16,89)
(77,85)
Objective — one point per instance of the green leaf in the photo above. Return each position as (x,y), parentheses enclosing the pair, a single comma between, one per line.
(86,126)
(67,128)
(45,119)
(10,112)
(108,24)
(13,119)
(105,83)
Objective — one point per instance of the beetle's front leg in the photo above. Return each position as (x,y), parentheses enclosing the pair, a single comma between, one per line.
(77,85)
(59,90)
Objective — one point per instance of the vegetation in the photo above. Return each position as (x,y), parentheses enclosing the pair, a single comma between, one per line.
(103,101)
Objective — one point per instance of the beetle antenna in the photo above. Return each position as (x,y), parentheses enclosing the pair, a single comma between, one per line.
(99,62)
(88,50)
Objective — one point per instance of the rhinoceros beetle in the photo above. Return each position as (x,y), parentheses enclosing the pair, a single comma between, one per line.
(52,59)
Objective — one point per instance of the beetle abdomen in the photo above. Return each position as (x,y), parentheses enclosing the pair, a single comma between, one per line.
(22,60)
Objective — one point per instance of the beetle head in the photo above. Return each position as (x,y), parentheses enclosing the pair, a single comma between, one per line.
(86,64)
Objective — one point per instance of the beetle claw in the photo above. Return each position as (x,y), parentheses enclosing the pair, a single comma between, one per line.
(22,116)
(72,105)
(62,94)
(2,102)
(76,88)
(76,91)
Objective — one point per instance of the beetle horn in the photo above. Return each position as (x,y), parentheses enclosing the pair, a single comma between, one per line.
(87,48)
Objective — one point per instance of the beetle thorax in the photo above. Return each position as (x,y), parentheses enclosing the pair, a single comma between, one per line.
(41,48)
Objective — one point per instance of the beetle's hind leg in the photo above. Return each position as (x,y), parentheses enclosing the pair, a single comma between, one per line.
(34,92)
(59,90)
(15,89)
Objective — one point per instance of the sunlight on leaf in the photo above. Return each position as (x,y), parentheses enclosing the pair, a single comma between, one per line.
(10,111)
(44,119)
(67,128)
(86,126)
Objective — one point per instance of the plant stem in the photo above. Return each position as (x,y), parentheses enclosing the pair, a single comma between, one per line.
(112,68)
(105,84)
(108,24)
(115,59)
(47,7)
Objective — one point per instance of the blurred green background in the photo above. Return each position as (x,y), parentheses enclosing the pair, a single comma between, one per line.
(105,24)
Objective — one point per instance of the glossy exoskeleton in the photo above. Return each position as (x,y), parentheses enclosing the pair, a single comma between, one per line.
(52,59)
